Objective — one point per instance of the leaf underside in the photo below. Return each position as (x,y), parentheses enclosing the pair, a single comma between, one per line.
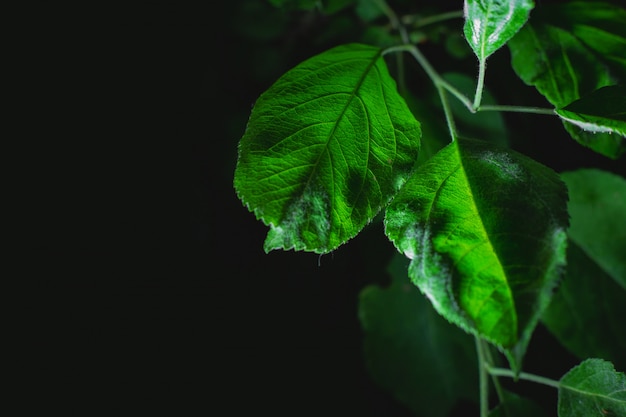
(485,230)
(326,147)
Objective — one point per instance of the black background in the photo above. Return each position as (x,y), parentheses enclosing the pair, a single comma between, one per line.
(156,294)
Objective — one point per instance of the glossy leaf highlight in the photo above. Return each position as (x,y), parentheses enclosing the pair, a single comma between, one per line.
(489,24)
(485,230)
(592,388)
(326,147)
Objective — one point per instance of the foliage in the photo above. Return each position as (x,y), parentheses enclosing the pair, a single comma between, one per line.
(495,242)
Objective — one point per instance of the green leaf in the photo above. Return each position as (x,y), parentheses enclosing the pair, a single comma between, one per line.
(514,405)
(489,24)
(424,361)
(597,207)
(592,388)
(587,312)
(604,110)
(326,147)
(560,53)
(485,229)
(599,25)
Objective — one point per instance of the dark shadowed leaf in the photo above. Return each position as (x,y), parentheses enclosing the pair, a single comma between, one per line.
(587,313)
(485,230)
(424,361)
(570,50)
(597,207)
(592,388)
(326,147)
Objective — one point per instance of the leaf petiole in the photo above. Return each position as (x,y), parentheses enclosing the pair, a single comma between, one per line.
(478,96)
(525,376)
(517,109)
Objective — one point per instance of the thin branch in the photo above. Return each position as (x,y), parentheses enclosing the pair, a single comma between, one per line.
(526,376)
(517,109)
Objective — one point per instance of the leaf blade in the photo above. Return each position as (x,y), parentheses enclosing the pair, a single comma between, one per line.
(592,388)
(568,51)
(325,148)
(463,219)
(604,110)
(489,24)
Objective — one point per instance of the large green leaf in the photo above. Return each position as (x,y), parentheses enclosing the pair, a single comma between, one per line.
(489,24)
(424,361)
(568,51)
(485,229)
(326,147)
(592,388)
(604,110)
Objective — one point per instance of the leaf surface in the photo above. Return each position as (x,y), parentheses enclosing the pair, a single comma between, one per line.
(411,351)
(489,24)
(485,230)
(325,148)
(592,388)
(570,50)
(604,110)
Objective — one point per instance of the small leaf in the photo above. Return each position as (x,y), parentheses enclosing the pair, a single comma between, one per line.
(485,229)
(592,388)
(604,110)
(424,361)
(326,147)
(489,24)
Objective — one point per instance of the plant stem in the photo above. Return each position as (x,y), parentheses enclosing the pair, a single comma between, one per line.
(518,109)
(526,376)
(393,18)
(418,22)
(478,96)
(482,378)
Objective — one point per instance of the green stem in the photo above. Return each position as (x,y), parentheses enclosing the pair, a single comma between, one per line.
(494,378)
(439,82)
(482,378)
(393,18)
(419,22)
(518,109)
(478,96)
(525,376)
